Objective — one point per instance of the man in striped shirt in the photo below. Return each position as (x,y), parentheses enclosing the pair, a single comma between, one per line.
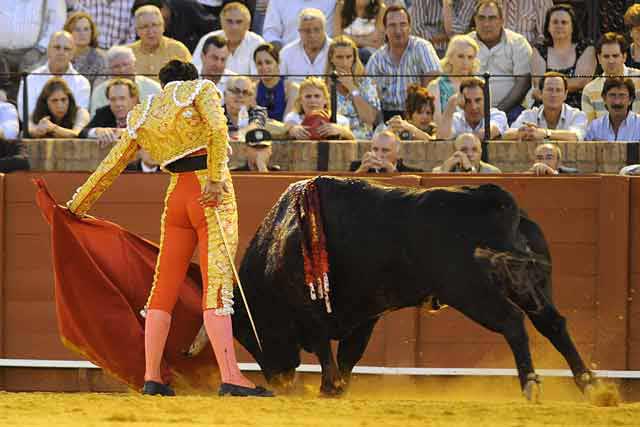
(439,20)
(402,60)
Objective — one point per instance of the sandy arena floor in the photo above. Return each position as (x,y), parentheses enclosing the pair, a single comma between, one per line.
(383,403)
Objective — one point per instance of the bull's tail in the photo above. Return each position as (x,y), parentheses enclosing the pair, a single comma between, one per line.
(516,275)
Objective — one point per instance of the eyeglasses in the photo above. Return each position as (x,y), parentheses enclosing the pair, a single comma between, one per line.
(146,27)
(239,91)
(317,30)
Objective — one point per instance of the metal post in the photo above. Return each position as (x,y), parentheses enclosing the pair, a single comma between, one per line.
(633,153)
(487,116)
(334,96)
(25,106)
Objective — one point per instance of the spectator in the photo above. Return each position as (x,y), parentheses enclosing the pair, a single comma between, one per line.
(213,8)
(113,18)
(384,156)
(122,63)
(239,94)
(439,20)
(59,54)
(564,50)
(611,50)
(630,170)
(467,157)
(184,20)
(357,96)
(154,50)
(619,123)
(258,158)
(526,17)
(549,161)
(13,155)
(461,60)
(214,58)
(282,19)
(554,120)
(311,103)
(402,55)
(110,121)
(273,91)
(241,42)
(419,124)
(144,163)
(27,27)
(257,22)
(362,21)
(470,100)
(502,52)
(632,21)
(306,56)
(87,58)
(56,114)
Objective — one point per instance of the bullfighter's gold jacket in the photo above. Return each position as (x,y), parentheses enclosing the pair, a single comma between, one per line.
(182,119)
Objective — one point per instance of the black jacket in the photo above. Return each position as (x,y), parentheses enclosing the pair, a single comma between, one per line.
(103,118)
(400,166)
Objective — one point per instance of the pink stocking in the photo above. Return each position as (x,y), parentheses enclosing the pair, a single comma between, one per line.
(156,329)
(220,334)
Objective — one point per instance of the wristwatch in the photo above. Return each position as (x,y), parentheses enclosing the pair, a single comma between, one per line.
(355,93)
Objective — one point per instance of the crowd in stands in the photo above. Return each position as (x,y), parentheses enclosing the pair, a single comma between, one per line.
(402,69)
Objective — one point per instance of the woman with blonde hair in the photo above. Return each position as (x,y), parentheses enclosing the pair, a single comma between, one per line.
(310,116)
(357,95)
(460,61)
(87,58)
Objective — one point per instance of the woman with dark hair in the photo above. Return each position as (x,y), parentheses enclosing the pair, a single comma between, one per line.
(418,121)
(362,21)
(565,51)
(357,95)
(273,92)
(183,129)
(56,114)
(87,58)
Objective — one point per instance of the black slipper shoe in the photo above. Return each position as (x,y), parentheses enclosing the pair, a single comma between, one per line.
(153,388)
(238,390)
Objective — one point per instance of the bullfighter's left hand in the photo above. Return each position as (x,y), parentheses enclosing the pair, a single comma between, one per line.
(212,193)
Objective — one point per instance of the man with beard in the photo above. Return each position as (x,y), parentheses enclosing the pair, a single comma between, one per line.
(619,123)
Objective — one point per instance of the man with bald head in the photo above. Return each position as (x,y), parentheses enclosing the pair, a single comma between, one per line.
(466,158)
(154,50)
(384,156)
(59,55)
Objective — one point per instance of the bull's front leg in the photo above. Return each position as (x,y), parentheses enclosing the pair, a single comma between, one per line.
(352,347)
(332,384)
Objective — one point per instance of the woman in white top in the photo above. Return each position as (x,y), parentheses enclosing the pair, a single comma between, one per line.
(56,114)
(362,21)
(313,100)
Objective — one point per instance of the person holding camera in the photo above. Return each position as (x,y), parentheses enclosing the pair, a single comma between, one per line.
(418,123)
(466,157)
(383,157)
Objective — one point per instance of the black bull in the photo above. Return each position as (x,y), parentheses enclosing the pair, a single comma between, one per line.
(470,247)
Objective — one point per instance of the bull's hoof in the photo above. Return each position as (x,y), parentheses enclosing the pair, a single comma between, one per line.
(532,388)
(332,390)
(599,393)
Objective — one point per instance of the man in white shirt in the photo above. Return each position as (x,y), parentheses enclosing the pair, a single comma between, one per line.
(471,119)
(619,123)
(466,158)
(26,29)
(8,121)
(59,55)
(306,56)
(280,23)
(214,57)
(241,42)
(554,120)
(611,50)
(122,63)
(502,52)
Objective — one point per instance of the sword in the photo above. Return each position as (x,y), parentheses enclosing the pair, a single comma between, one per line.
(235,273)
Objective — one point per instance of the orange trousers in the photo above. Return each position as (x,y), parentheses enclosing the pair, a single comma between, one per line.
(186,225)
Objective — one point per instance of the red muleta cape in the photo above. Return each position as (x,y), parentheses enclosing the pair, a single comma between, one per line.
(103,275)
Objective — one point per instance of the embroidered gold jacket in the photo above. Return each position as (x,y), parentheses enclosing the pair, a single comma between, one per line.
(182,119)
